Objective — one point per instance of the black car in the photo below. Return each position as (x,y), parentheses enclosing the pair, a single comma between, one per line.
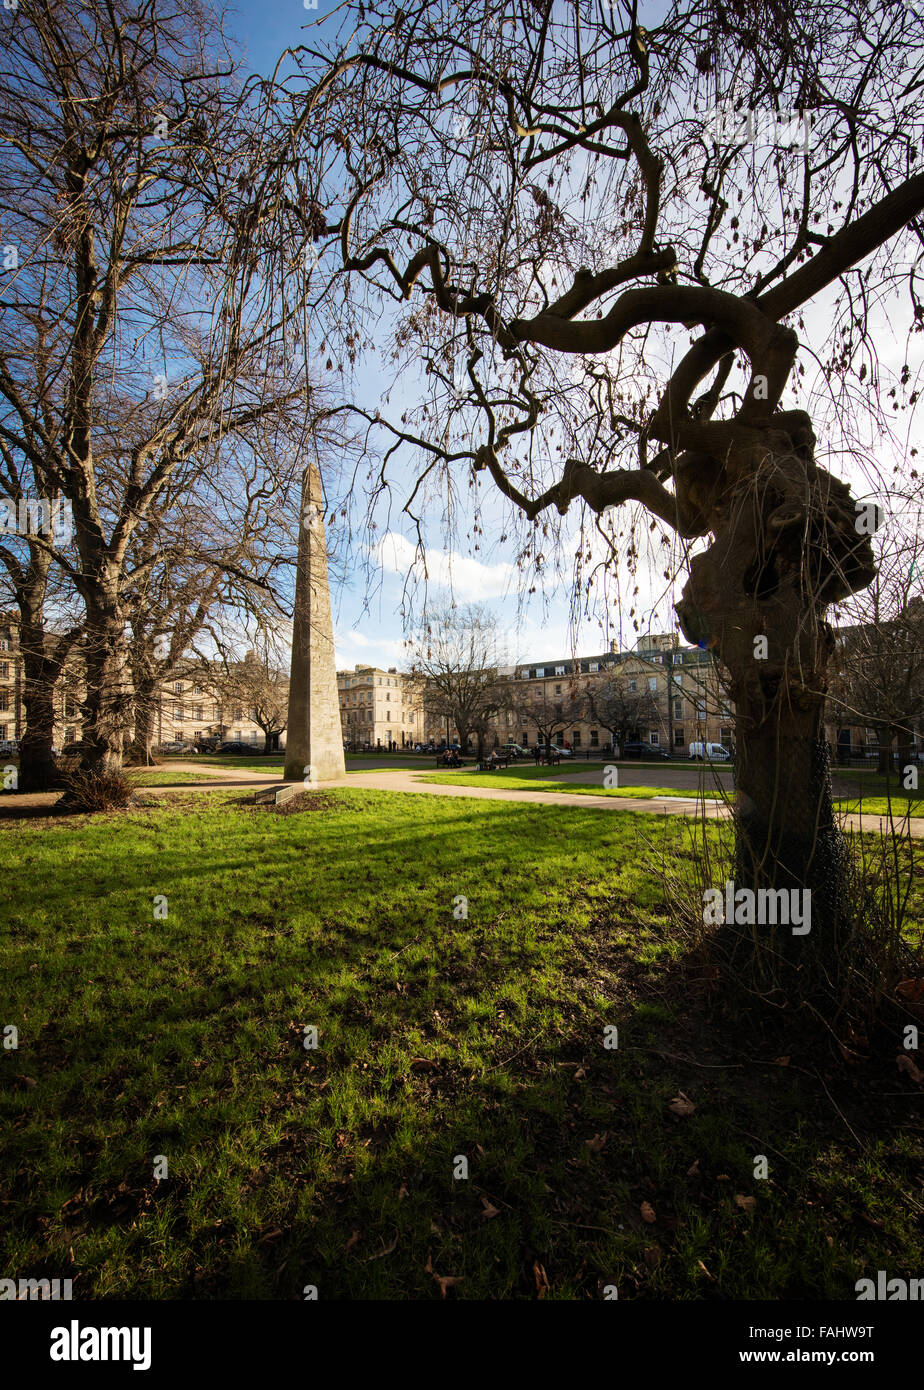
(237,748)
(646,750)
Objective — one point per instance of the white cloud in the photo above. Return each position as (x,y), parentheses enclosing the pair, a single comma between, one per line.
(467,578)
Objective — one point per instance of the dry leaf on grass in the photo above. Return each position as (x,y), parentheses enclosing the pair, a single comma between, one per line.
(693,1170)
(681,1105)
(648,1213)
(489,1210)
(445,1281)
(705,1271)
(381,1253)
(907,1064)
(745,1203)
(351,1242)
(541,1278)
(598,1142)
(651,1255)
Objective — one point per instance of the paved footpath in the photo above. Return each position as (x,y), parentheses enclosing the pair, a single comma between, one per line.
(410,780)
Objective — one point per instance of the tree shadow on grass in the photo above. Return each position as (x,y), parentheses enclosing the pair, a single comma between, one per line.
(440,1039)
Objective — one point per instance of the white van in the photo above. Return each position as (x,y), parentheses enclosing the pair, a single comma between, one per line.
(714,752)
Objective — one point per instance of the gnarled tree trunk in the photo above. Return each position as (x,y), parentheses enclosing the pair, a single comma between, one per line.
(786,546)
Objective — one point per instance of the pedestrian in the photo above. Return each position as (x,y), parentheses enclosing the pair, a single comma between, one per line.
(537,754)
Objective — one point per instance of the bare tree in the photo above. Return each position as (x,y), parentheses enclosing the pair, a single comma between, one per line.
(259,686)
(457,662)
(605,274)
(138,327)
(551,714)
(878,679)
(619,709)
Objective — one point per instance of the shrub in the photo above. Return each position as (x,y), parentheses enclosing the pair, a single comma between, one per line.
(96,791)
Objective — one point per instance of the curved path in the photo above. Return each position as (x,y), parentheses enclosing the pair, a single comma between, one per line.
(403,779)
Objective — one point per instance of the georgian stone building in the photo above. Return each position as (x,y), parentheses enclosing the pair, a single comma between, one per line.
(687,703)
(379,709)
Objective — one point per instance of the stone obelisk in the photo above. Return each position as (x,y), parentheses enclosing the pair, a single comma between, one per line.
(314,738)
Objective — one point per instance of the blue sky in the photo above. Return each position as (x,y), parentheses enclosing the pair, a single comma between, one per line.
(367,622)
(367,617)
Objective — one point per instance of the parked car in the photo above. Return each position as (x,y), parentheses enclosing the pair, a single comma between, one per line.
(232,747)
(562,752)
(515,750)
(635,748)
(711,752)
(9,746)
(177,748)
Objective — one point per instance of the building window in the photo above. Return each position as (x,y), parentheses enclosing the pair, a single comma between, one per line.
(524,738)
(726,737)
(558,690)
(559,670)
(3,731)
(239,712)
(179,735)
(4,699)
(178,687)
(540,671)
(678,738)
(197,713)
(388,715)
(4,668)
(653,739)
(197,734)
(253,736)
(594,666)
(69,735)
(632,685)
(594,738)
(237,734)
(576,738)
(652,682)
(178,712)
(560,738)
(678,709)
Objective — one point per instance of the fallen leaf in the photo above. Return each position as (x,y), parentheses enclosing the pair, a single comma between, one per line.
(423,1062)
(651,1255)
(598,1142)
(541,1278)
(781,1061)
(648,1213)
(270,1235)
(580,1074)
(722,1177)
(681,1105)
(445,1281)
(745,1203)
(402,1191)
(693,1170)
(489,1210)
(387,1251)
(705,1271)
(351,1242)
(908,1064)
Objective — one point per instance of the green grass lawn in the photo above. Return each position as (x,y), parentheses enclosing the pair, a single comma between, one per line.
(163,777)
(880,805)
(544,779)
(440,1035)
